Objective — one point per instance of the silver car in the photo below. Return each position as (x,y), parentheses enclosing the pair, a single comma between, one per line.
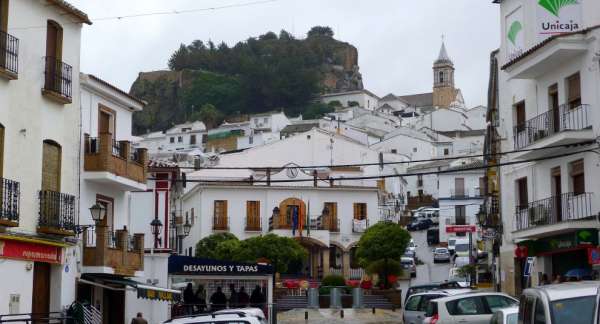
(475,308)
(441,255)
(506,316)
(416,305)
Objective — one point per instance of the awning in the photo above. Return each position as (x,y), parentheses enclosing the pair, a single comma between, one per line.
(120,283)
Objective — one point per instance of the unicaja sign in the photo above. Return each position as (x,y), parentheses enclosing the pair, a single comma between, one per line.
(558,16)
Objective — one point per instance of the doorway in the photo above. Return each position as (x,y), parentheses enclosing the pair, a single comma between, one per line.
(557,193)
(113,306)
(40,303)
(553,105)
(459,187)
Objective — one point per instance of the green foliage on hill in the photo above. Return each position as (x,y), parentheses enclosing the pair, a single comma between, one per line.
(266,73)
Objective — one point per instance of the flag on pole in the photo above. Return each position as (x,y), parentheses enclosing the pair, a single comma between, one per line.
(294,220)
(308,220)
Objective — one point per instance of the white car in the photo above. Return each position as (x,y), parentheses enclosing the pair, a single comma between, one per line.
(412,246)
(461,261)
(475,308)
(441,255)
(416,305)
(451,244)
(506,316)
(570,302)
(453,275)
(226,316)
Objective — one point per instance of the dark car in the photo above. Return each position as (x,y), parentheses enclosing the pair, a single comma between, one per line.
(433,236)
(451,284)
(419,225)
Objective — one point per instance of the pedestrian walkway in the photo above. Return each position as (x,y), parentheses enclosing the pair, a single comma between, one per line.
(351,316)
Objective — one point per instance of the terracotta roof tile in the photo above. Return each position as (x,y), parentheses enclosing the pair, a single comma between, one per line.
(69,8)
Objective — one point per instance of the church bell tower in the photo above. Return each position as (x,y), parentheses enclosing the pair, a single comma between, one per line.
(444,92)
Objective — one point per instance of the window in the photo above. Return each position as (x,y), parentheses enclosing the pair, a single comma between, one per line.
(526,309)
(51,166)
(1,149)
(179,139)
(265,120)
(3,15)
(446,151)
(394,151)
(459,187)
(520,116)
(54,73)
(460,215)
(253,215)
(466,306)
(193,217)
(577,177)
(220,215)
(522,195)
(539,316)
(496,302)
(251,139)
(482,186)
(360,211)
(192,139)
(414,149)
(574,91)
(441,76)
(425,302)
(331,217)
(172,140)
(413,303)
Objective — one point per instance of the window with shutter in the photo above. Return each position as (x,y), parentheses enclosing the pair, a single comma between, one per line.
(331,217)
(1,149)
(360,211)
(574,90)
(520,116)
(253,215)
(220,215)
(578,177)
(522,193)
(51,162)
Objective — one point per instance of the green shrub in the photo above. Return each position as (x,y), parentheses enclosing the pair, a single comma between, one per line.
(333,280)
(378,267)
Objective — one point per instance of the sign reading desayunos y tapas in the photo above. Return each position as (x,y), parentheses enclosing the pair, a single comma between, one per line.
(557,17)
(30,251)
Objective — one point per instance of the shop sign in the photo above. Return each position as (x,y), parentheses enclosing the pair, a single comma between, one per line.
(557,17)
(30,251)
(157,295)
(580,238)
(198,266)
(515,33)
(461,229)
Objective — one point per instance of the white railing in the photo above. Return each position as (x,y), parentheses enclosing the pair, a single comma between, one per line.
(336,271)
(356,273)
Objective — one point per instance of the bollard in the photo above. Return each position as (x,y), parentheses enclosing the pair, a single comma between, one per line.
(357,298)
(373,310)
(342,313)
(306,316)
(313,298)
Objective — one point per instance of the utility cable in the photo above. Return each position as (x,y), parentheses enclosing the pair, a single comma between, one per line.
(384,176)
(449,158)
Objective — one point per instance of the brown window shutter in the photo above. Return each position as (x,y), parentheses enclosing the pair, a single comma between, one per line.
(51,159)
(574,87)
(355,211)
(577,167)
(225,209)
(1,149)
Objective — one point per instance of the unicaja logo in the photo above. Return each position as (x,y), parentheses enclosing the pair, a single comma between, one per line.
(513,31)
(554,6)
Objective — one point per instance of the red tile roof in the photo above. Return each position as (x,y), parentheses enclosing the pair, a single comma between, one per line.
(544,43)
(69,8)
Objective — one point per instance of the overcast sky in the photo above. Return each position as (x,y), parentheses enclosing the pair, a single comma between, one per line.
(397,40)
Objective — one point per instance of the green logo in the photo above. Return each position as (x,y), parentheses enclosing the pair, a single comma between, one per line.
(584,235)
(514,30)
(554,6)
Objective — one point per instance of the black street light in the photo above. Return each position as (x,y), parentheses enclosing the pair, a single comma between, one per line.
(187,227)
(156,229)
(98,213)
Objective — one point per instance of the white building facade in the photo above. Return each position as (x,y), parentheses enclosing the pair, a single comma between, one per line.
(548,96)
(39,155)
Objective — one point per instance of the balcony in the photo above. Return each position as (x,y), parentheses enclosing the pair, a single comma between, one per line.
(57,213)
(220,223)
(360,225)
(58,85)
(325,223)
(566,125)
(253,224)
(554,215)
(9,56)
(107,161)
(467,193)
(9,203)
(110,252)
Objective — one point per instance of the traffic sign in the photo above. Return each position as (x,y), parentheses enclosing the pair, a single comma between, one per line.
(461,229)
(528,267)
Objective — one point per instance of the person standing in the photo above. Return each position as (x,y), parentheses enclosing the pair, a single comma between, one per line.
(218,300)
(139,319)
(189,299)
(243,298)
(234,297)
(255,298)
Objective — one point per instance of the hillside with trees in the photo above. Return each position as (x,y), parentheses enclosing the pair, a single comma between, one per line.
(267,73)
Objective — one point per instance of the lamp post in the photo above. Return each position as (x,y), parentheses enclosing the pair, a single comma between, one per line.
(98,213)
(156,229)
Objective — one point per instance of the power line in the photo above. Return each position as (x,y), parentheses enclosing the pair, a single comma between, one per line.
(164,13)
(449,158)
(384,176)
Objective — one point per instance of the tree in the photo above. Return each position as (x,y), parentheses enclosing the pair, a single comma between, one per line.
(383,241)
(281,251)
(317,110)
(323,31)
(209,115)
(213,246)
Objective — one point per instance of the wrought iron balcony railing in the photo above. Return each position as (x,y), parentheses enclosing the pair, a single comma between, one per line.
(554,210)
(57,213)
(9,202)
(58,77)
(9,53)
(564,118)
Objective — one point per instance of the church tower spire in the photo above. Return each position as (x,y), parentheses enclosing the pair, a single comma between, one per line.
(444,92)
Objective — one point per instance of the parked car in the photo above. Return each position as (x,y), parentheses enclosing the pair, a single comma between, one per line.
(475,308)
(412,246)
(451,244)
(415,306)
(409,265)
(570,302)
(433,236)
(418,225)
(454,275)
(461,261)
(441,255)
(431,286)
(506,316)
(432,214)
(246,316)
(410,254)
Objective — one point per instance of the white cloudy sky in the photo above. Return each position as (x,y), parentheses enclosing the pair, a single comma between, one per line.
(397,39)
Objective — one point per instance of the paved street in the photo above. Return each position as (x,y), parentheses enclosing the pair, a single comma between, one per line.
(428,271)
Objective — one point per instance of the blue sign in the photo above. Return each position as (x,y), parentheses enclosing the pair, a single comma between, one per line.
(185,265)
(528,267)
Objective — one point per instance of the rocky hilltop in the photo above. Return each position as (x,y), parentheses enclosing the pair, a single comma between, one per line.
(269,72)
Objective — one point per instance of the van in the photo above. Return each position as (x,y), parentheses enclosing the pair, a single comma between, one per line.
(570,302)
(432,214)
(461,247)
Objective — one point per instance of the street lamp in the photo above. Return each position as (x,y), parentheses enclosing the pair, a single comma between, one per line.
(481,218)
(187,227)
(98,213)
(156,229)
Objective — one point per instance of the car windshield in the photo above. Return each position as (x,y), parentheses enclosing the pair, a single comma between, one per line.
(441,251)
(462,248)
(578,310)
(512,318)
(451,242)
